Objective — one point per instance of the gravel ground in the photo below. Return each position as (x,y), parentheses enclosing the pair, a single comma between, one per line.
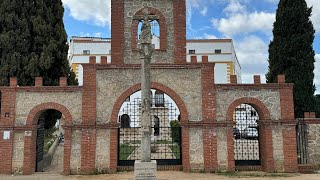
(168,175)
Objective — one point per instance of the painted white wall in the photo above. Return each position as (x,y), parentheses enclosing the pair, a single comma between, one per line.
(220,73)
(209,47)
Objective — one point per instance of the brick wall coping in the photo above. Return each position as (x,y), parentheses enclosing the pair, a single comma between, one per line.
(254,86)
(153,66)
(42,88)
(312,120)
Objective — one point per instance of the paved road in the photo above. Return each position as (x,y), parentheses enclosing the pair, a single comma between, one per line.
(162,175)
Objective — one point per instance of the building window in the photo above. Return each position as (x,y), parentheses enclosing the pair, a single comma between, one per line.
(86,51)
(192,51)
(217,51)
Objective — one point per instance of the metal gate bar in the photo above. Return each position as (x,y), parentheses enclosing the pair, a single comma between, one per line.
(302,141)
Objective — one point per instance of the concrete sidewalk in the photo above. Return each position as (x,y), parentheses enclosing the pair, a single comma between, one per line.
(168,175)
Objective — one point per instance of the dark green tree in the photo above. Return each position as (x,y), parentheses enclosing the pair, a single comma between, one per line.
(33,42)
(317,107)
(291,52)
(14,38)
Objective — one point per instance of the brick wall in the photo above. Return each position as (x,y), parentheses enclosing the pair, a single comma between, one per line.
(89,114)
(180,31)
(117,31)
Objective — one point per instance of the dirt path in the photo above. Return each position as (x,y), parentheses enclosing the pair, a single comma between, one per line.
(56,166)
(165,175)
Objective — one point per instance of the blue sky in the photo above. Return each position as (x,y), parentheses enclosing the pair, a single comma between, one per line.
(248,22)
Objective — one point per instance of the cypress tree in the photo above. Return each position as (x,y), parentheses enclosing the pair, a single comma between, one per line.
(14,39)
(291,52)
(317,105)
(33,42)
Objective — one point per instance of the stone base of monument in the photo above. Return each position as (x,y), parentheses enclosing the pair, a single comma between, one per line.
(145,170)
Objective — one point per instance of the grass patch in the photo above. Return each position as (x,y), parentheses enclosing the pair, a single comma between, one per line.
(48,141)
(255,174)
(125,151)
(163,142)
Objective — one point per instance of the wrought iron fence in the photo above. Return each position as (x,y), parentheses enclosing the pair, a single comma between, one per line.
(165,137)
(246,136)
(302,141)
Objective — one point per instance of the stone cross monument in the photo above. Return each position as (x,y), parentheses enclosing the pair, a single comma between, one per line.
(146,50)
(145,169)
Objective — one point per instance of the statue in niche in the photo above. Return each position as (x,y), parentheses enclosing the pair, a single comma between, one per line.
(146,46)
(146,36)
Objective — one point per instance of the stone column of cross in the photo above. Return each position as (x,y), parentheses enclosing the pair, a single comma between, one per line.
(146,50)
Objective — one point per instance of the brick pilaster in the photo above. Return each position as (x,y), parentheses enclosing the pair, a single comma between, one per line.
(208,115)
(6,152)
(290,148)
(38,81)
(210,149)
(208,92)
(7,119)
(185,149)
(179,18)
(113,150)
(29,161)
(67,150)
(117,31)
(88,151)
(266,147)
(89,113)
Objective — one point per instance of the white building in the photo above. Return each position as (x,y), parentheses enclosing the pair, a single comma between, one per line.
(220,51)
(80,48)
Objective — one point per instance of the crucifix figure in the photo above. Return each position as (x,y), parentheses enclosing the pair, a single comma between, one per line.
(146,50)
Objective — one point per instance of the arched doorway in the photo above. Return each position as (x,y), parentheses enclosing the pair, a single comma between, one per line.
(166,131)
(49,152)
(30,141)
(246,136)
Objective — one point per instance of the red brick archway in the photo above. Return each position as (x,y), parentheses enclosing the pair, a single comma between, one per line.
(183,114)
(156,86)
(163,28)
(35,113)
(266,148)
(31,136)
(262,110)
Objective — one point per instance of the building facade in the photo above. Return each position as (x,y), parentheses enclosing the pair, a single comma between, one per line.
(219,51)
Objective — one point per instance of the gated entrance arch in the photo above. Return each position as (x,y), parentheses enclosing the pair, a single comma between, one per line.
(34,119)
(246,135)
(166,132)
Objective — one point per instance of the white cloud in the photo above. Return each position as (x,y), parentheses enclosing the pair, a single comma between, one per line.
(204,11)
(252,50)
(94,11)
(235,7)
(238,23)
(252,53)
(210,36)
(97,34)
(315,13)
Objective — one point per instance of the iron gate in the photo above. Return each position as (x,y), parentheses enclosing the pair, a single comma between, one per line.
(302,141)
(40,144)
(246,136)
(165,137)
